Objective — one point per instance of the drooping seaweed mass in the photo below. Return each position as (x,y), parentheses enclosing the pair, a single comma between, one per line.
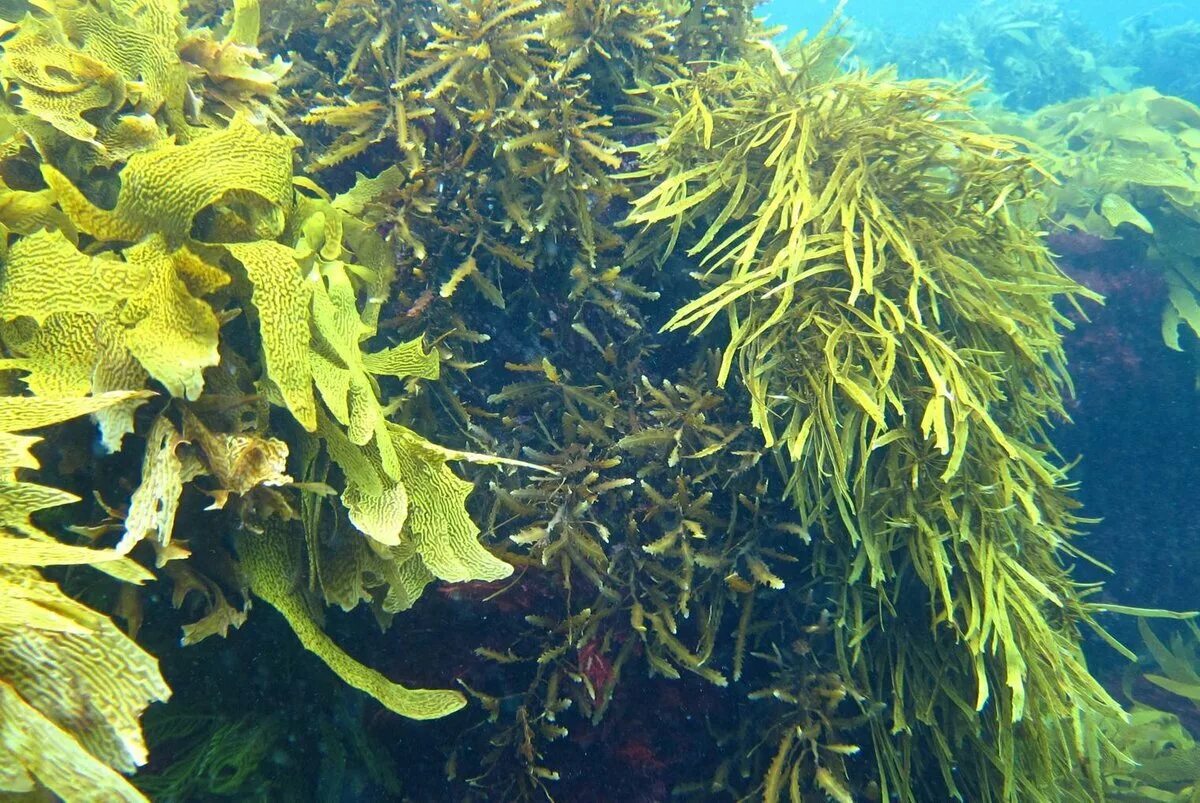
(689,395)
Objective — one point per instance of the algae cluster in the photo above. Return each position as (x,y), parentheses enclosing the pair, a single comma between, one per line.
(743,362)
(1128,171)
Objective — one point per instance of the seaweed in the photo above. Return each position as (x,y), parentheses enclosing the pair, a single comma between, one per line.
(862,241)
(203,225)
(697,367)
(72,686)
(1156,756)
(1126,172)
(647,538)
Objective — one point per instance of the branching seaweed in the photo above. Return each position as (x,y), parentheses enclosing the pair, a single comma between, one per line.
(892,319)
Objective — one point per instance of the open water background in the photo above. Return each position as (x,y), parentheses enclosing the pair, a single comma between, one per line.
(915,16)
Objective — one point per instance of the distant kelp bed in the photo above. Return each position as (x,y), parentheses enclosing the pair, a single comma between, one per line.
(624,405)
(1034,53)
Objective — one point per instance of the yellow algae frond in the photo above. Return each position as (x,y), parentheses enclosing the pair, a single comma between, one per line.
(154,503)
(72,686)
(21,413)
(231,63)
(164,189)
(282,297)
(312,328)
(169,331)
(415,502)
(864,244)
(24,211)
(78,284)
(270,560)
(102,308)
(98,681)
(445,537)
(139,38)
(56,82)
(238,462)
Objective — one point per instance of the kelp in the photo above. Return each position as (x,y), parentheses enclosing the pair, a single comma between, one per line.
(1156,756)
(163,190)
(204,226)
(1178,662)
(123,65)
(893,321)
(72,686)
(157,327)
(267,559)
(1163,761)
(1129,173)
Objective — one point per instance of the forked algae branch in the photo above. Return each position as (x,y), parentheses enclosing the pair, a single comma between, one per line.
(891,314)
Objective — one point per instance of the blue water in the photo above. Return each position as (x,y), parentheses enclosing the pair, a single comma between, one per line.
(915,16)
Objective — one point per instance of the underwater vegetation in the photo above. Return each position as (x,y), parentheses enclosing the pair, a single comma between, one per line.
(1029,53)
(1165,757)
(1126,166)
(72,686)
(840,322)
(99,302)
(1158,50)
(573,380)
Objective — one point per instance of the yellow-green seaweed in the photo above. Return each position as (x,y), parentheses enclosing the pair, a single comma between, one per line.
(269,558)
(892,317)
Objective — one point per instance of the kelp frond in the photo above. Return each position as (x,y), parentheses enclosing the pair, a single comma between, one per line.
(1130,173)
(72,686)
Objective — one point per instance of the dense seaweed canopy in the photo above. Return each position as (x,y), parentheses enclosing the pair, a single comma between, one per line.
(892,319)
(681,366)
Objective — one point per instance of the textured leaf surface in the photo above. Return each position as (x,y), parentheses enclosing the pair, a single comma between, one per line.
(270,560)
(102,309)
(34,747)
(162,190)
(76,681)
(57,82)
(441,529)
(281,296)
